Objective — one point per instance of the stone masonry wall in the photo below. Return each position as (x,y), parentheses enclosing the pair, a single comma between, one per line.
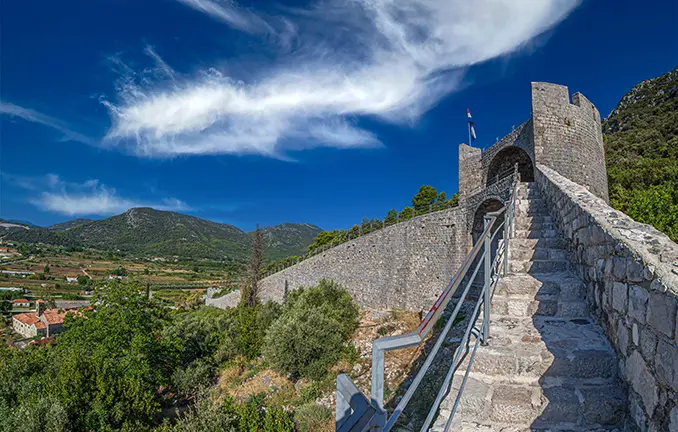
(567,136)
(631,271)
(470,169)
(405,266)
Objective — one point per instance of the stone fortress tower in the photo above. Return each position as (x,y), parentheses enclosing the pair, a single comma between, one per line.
(561,135)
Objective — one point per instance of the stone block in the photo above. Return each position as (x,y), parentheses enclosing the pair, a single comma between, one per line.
(622,337)
(638,298)
(661,313)
(635,334)
(603,406)
(648,343)
(619,268)
(642,382)
(666,363)
(634,270)
(620,297)
(511,404)
(637,412)
(673,420)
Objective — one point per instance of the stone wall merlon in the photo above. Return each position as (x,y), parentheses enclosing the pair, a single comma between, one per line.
(656,250)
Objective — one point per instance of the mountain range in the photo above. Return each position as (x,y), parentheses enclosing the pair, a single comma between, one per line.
(149,232)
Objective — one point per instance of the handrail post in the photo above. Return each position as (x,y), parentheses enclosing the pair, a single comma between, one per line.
(486,285)
(377,393)
(508,220)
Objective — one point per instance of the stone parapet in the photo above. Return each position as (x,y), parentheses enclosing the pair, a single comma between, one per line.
(631,273)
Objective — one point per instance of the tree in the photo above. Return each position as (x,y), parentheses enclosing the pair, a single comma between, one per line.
(309,336)
(46,269)
(424,198)
(454,201)
(250,293)
(327,237)
(83,280)
(407,213)
(391,217)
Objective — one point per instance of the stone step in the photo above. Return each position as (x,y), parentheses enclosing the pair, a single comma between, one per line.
(541,211)
(538,266)
(567,407)
(536,234)
(532,350)
(530,243)
(538,226)
(564,286)
(532,201)
(533,219)
(516,306)
(539,253)
(526,193)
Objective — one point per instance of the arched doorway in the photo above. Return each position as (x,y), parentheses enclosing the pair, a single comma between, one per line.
(488,206)
(504,161)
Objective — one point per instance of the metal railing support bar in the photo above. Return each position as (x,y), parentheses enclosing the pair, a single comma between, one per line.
(422,371)
(486,285)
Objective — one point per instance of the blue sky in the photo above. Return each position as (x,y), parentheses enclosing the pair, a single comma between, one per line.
(287,111)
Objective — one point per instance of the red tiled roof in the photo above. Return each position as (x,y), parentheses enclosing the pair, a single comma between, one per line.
(20,301)
(29,318)
(54,316)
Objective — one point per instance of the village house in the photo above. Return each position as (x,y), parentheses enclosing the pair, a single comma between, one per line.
(71,279)
(21,302)
(39,323)
(113,276)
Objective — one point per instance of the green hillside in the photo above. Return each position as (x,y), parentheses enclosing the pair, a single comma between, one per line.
(149,232)
(641,145)
(68,224)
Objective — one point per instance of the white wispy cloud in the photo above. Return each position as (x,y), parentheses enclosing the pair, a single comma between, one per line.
(43,119)
(388,60)
(51,193)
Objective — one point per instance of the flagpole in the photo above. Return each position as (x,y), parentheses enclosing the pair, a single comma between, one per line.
(469,133)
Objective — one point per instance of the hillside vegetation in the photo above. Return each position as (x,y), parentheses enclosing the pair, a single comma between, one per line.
(641,145)
(150,232)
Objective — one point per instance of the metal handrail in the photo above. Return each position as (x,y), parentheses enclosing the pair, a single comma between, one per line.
(493,270)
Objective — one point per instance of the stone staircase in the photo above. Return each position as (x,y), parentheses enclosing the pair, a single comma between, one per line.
(548,366)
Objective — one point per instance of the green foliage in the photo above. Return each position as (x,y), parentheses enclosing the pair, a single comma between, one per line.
(309,336)
(120,271)
(83,280)
(46,269)
(641,147)
(406,213)
(391,217)
(312,417)
(426,196)
(328,237)
(210,416)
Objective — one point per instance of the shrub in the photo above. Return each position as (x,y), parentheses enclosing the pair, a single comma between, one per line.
(313,418)
(309,336)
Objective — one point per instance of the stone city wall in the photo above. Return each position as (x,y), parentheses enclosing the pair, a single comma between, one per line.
(631,271)
(404,266)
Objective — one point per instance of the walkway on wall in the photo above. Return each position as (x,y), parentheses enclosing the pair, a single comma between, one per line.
(547,365)
(531,357)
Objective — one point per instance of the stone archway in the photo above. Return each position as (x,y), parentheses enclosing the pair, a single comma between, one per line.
(505,160)
(488,206)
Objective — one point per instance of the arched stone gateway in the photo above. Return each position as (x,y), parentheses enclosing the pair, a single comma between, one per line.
(488,206)
(504,162)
